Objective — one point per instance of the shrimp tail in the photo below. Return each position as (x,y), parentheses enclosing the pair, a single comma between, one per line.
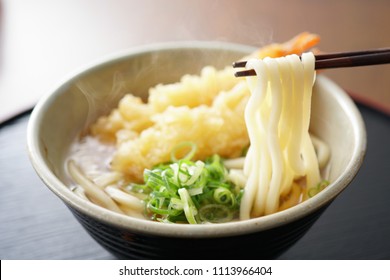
(297,45)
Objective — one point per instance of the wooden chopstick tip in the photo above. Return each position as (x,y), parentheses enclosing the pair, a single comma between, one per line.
(336,60)
(238,64)
(245,73)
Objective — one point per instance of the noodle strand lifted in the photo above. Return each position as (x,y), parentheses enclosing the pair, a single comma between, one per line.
(277,118)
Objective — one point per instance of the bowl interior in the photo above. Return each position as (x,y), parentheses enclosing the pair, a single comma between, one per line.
(61,115)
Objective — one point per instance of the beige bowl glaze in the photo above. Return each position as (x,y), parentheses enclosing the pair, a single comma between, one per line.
(64,112)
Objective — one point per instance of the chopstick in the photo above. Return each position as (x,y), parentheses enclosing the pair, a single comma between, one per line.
(336,60)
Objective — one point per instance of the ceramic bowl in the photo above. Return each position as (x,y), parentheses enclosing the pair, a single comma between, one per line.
(65,111)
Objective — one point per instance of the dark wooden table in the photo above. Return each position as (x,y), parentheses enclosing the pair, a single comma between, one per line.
(35,224)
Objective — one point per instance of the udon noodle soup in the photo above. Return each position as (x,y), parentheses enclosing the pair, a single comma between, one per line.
(209,148)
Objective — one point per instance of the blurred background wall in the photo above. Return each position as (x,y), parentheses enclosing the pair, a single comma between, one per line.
(43,41)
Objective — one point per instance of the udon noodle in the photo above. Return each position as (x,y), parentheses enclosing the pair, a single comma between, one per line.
(277,117)
(262,158)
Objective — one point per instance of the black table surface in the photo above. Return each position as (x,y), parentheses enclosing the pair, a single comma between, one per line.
(35,224)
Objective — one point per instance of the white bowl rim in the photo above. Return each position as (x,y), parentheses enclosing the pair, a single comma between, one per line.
(190,231)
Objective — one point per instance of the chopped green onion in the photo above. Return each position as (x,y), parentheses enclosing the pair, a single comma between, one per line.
(176,204)
(138,188)
(215,213)
(224,196)
(189,208)
(319,187)
(216,168)
(182,146)
(195,191)
(196,172)
(155,205)
(176,191)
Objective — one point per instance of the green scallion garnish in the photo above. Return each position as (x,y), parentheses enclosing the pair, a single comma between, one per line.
(191,191)
(319,187)
(183,146)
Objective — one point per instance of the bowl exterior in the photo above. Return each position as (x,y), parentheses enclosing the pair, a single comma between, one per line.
(127,244)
